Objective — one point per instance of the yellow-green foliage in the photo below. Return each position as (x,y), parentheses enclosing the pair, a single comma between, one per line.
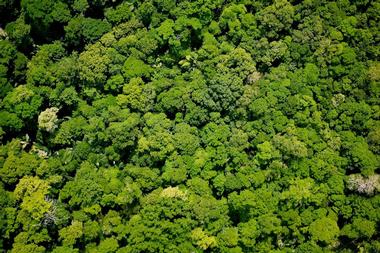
(161,126)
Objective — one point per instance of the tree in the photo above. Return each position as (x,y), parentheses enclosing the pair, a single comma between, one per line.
(82,192)
(201,239)
(69,131)
(18,165)
(81,31)
(324,230)
(108,245)
(359,228)
(156,140)
(136,95)
(121,13)
(19,32)
(42,71)
(24,248)
(93,65)
(231,20)
(43,14)
(23,101)
(301,191)
(47,120)
(276,18)
(361,184)
(134,67)
(248,232)
(32,191)
(290,146)
(69,235)
(189,126)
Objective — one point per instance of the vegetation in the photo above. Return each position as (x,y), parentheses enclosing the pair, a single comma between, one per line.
(189,126)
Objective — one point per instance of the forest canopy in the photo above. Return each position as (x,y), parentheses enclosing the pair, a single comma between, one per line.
(153,126)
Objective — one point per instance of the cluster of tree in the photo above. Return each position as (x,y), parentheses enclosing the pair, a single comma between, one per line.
(189,126)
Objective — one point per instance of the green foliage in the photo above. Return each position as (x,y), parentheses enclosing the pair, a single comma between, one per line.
(134,67)
(70,234)
(32,192)
(42,14)
(189,126)
(202,240)
(121,13)
(136,95)
(324,230)
(19,32)
(81,31)
(22,101)
(70,131)
(10,121)
(248,232)
(276,18)
(359,228)
(93,65)
(17,163)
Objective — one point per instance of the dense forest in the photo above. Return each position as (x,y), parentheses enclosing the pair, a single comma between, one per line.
(189,126)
